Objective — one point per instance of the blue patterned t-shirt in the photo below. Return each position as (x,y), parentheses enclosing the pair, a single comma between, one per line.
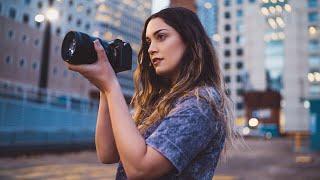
(190,137)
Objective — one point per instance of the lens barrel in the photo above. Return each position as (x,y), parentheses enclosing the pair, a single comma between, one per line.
(77,48)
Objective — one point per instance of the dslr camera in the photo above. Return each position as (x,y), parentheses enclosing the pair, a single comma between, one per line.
(78,48)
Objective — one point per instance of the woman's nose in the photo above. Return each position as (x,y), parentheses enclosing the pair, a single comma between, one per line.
(152,49)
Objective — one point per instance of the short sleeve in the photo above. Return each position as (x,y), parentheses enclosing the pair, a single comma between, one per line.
(185,132)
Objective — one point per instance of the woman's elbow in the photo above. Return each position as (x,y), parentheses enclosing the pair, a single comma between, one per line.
(107,159)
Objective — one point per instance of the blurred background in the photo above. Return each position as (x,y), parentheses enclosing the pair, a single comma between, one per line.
(269,51)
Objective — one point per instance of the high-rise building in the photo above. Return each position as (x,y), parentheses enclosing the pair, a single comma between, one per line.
(207,11)
(189,4)
(23,35)
(272,44)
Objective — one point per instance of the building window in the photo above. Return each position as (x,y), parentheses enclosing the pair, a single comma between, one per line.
(313,17)
(227,40)
(227,66)
(25,18)
(79,22)
(239,13)
(10,34)
(239,79)
(27,2)
(239,65)
(70,18)
(239,105)
(239,1)
(312,3)
(227,3)
(36,42)
(24,38)
(314,45)
(227,53)
(227,79)
(240,92)
(239,52)
(227,15)
(70,2)
(39,4)
(87,26)
(240,40)
(34,65)
(58,31)
(8,60)
(252,1)
(22,62)
(227,27)
(12,13)
(65,73)
(55,71)
(88,11)
(0,7)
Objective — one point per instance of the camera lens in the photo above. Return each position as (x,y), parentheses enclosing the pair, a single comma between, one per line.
(72,48)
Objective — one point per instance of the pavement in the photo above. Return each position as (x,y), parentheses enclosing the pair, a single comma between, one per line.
(261,159)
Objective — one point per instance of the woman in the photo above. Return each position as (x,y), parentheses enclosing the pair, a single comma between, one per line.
(181,116)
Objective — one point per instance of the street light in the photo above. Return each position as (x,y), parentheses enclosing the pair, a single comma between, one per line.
(49,16)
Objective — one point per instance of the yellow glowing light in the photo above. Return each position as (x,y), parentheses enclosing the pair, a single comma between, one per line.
(265,1)
(39,18)
(281,0)
(52,14)
(312,30)
(287,7)
(281,35)
(245,131)
(306,104)
(317,76)
(274,36)
(264,11)
(253,122)
(216,37)
(272,23)
(279,8)
(280,21)
(311,77)
(274,1)
(208,5)
(272,10)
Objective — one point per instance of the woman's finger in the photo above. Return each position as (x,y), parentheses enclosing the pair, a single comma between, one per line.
(100,51)
(72,67)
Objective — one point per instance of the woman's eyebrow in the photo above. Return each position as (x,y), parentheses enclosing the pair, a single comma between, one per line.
(156,32)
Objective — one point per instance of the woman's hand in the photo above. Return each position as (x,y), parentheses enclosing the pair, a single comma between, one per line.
(100,73)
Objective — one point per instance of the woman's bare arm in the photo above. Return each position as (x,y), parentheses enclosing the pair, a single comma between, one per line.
(105,145)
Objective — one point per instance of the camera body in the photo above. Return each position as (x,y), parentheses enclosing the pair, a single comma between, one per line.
(78,48)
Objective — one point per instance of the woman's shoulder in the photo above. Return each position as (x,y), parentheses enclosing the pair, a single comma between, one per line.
(204,94)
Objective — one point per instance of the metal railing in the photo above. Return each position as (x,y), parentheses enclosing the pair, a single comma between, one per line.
(46,97)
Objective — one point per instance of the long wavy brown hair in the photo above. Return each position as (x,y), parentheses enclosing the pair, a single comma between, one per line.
(154,96)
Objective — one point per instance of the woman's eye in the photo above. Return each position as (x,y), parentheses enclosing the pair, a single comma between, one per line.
(161,36)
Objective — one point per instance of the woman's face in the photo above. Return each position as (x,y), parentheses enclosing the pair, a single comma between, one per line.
(166,48)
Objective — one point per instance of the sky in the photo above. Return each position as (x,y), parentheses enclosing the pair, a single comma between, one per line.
(157,5)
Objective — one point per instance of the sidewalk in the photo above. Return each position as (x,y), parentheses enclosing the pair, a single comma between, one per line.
(272,159)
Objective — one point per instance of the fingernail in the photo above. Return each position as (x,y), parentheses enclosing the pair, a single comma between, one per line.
(96,41)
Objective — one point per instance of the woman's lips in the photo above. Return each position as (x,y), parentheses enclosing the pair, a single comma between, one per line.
(156,61)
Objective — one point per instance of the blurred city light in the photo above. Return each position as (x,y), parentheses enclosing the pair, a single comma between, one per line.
(39,18)
(52,14)
(264,11)
(312,30)
(306,104)
(287,7)
(311,78)
(216,37)
(253,122)
(208,5)
(245,131)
